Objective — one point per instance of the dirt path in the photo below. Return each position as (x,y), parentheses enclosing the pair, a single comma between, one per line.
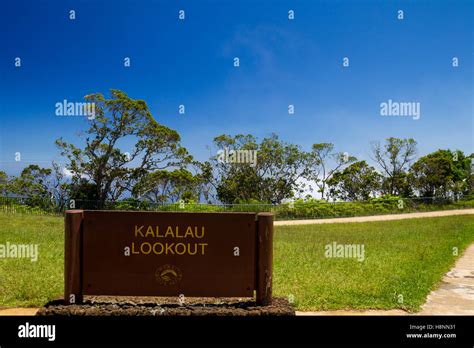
(377,217)
(18,311)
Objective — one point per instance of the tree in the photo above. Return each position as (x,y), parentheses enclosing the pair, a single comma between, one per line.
(470,179)
(269,174)
(101,161)
(58,187)
(441,173)
(357,182)
(84,194)
(318,165)
(394,158)
(168,186)
(32,185)
(205,180)
(3,183)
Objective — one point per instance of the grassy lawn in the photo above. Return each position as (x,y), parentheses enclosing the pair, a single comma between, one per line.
(26,283)
(404,257)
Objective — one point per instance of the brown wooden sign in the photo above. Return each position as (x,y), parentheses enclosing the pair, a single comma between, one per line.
(168,254)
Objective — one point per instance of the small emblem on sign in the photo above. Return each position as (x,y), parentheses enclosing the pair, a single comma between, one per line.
(168,275)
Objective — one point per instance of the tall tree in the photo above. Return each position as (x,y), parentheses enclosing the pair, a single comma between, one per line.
(269,176)
(470,180)
(3,183)
(357,182)
(102,161)
(33,185)
(319,166)
(394,157)
(84,194)
(168,186)
(59,186)
(441,173)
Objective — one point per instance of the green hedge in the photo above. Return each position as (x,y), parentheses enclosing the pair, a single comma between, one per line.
(299,209)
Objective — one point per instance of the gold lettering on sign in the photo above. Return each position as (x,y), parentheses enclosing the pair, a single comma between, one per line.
(150,247)
(146,248)
(171,232)
(138,231)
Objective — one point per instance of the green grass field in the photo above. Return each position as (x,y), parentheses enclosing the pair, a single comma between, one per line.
(404,257)
(403,261)
(26,283)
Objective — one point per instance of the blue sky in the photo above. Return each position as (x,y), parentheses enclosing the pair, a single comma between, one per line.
(282,62)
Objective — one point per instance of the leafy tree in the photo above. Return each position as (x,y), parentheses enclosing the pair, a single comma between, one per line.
(357,182)
(84,194)
(205,180)
(168,186)
(319,170)
(100,160)
(440,173)
(394,158)
(470,180)
(3,183)
(271,178)
(58,187)
(32,185)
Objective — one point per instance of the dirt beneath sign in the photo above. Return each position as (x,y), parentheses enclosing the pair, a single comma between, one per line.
(166,306)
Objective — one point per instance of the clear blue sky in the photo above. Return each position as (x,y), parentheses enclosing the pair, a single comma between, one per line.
(283,62)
